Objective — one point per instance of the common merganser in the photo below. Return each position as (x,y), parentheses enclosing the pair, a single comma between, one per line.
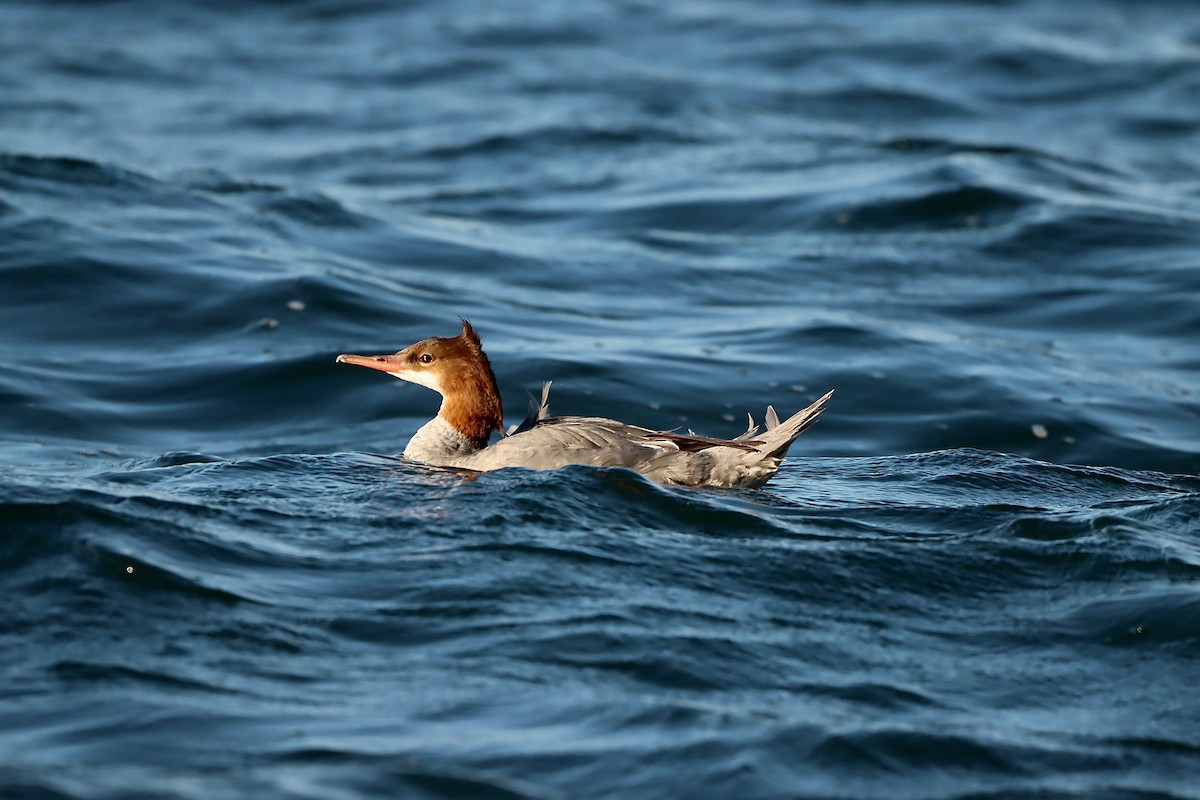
(458,369)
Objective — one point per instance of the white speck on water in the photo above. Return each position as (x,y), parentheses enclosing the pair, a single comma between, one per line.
(296,305)
(1040,431)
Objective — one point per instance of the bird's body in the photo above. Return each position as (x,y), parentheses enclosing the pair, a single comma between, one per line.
(457,368)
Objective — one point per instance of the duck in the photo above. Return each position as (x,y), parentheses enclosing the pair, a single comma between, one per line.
(457,368)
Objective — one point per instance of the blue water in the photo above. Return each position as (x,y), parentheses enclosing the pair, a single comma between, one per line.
(977,577)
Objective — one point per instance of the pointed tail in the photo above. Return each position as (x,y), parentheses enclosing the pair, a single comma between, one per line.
(780,435)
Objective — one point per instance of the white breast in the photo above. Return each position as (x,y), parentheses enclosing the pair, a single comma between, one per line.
(438,442)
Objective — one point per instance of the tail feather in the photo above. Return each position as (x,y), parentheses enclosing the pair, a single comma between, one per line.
(537,412)
(751,429)
(780,435)
(543,408)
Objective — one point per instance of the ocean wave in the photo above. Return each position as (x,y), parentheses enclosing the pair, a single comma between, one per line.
(975,576)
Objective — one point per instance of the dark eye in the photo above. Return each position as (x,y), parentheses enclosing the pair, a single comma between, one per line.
(426,358)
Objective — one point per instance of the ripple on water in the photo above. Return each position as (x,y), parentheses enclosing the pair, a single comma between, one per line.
(976,225)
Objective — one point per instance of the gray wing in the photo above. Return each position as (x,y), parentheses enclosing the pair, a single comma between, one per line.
(593,441)
(559,441)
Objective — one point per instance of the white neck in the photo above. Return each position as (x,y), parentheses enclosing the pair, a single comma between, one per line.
(439,443)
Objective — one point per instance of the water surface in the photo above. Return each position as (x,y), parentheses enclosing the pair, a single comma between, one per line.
(976,577)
